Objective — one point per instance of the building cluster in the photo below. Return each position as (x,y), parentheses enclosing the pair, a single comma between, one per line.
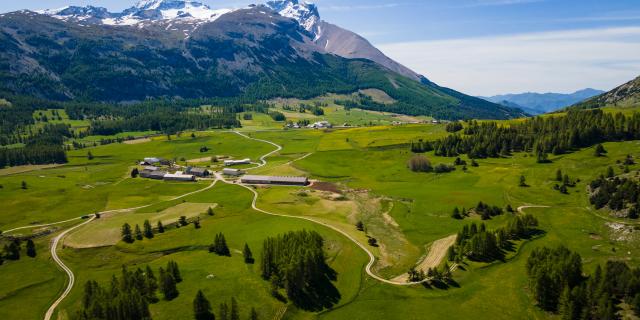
(152,170)
(315,125)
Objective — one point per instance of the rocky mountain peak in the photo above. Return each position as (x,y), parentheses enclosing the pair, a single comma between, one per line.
(305,13)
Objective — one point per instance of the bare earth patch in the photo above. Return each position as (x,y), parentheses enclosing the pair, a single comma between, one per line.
(436,254)
(199,160)
(138,141)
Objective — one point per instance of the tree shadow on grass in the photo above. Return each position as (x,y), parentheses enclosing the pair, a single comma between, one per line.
(320,293)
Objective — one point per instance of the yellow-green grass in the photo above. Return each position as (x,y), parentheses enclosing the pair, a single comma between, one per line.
(86,186)
(106,230)
(219,277)
(77,125)
(28,286)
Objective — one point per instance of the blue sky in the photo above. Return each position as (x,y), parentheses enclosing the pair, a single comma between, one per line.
(482,47)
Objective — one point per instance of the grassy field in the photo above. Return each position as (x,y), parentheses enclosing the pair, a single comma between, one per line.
(367,180)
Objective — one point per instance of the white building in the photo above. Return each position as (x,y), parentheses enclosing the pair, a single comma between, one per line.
(229,163)
(179,176)
(320,125)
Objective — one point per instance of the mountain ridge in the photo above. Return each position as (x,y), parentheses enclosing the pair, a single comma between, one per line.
(253,52)
(624,96)
(538,103)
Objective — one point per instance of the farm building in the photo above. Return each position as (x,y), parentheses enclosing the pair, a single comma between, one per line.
(157,175)
(198,172)
(229,163)
(150,168)
(320,125)
(287,181)
(179,176)
(232,172)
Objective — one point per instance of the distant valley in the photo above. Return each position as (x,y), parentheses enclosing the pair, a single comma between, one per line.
(538,103)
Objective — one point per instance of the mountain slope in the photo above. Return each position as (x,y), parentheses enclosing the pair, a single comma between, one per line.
(624,96)
(538,103)
(253,52)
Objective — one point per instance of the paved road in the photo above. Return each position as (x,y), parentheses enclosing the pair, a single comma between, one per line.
(72,278)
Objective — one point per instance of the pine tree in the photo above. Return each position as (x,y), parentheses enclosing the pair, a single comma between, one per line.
(151,284)
(138,233)
(23,185)
(31,249)
(160,227)
(235,312)
(127,236)
(202,307)
(254,314)
(523,181)
(224,311)
(148,230)
(174,271)
(610,172)
(168,285)
(248,256)
(559,175)
(600,151)
(210,211)
(134,173)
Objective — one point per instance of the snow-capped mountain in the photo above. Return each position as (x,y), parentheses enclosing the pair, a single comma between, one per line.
(186,16)
(304,12)
(143,11)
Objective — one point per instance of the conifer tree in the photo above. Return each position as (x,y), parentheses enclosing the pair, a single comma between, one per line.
(31,249)
(168,285)
(151,284)
(148,230)
(160,227)
(174,271)
(224,311)
(210,211)
(248,256)
(138,233)
(559,175)
(127,236)
(235,312)
(202,307)
(254,314)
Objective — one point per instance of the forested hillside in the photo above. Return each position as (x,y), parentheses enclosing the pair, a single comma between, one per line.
(243,53)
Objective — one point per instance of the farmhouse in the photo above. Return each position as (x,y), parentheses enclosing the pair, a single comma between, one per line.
(198,172)
(287,181)
(229,163)
(179,176)
(232,172)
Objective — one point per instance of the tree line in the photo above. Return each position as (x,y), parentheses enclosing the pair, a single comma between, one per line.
(558,284)
(541,135)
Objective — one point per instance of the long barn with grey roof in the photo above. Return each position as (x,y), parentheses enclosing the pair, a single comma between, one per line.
(286,181)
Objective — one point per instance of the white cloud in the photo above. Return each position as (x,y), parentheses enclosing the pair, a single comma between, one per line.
(561,61)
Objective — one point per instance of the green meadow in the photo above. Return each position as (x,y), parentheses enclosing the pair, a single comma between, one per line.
(365,176)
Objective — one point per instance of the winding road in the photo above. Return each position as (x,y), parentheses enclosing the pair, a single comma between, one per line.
(219,177)
(372,258)
(58,238)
